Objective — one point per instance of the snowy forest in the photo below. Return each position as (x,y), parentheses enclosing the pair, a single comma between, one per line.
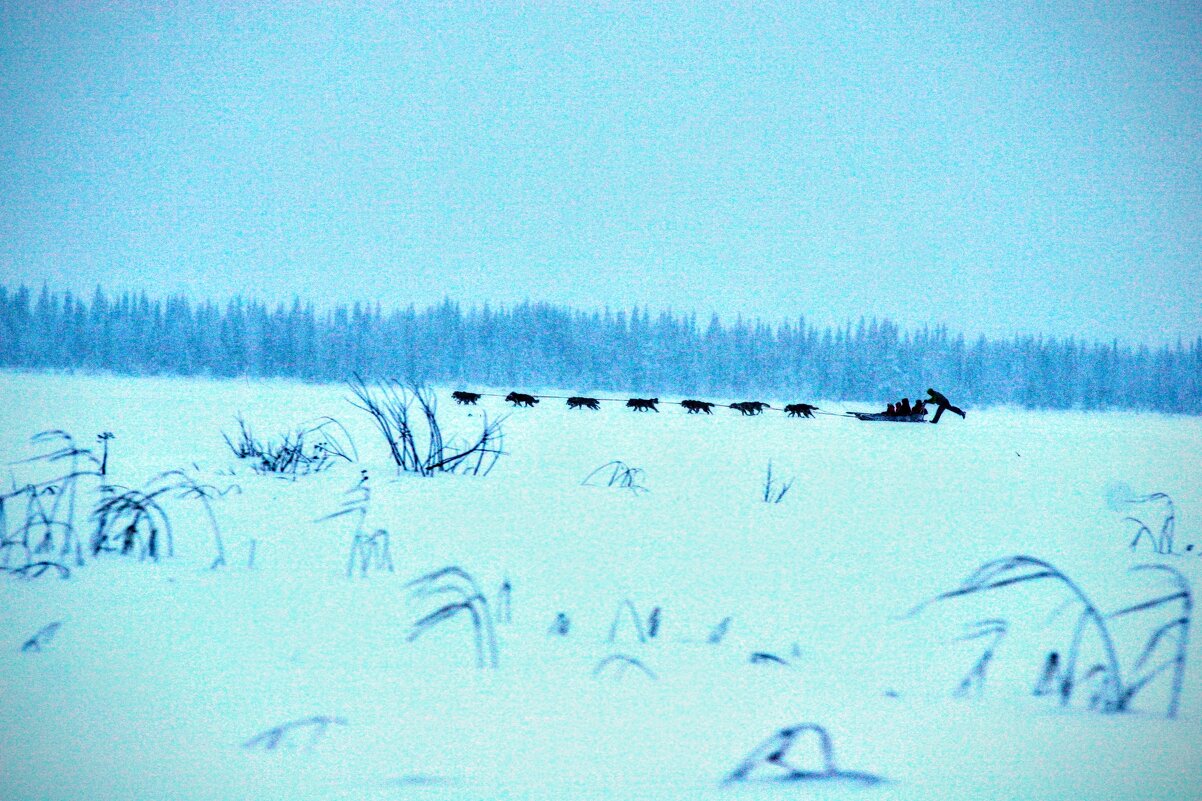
(541,345)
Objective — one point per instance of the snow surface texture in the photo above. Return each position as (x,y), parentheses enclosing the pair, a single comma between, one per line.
(289,679)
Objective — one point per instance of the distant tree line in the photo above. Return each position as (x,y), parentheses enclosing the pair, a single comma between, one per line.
(542,345)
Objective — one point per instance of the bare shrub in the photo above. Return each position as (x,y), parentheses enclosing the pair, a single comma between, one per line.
(1063,673)
(370,552)
(617,665)
(132,521)
(718,633)
(312,448)
(390,406)
(627,612)
(777,760)
(1161,539)
(305,733)
(504,606)
(616,474)
(42,637)
(774,490)
(466,599)
(994,630)
(49,520)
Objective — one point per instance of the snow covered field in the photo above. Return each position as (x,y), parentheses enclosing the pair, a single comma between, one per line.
(162,675)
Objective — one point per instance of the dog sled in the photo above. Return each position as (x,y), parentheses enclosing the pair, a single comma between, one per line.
(889,418)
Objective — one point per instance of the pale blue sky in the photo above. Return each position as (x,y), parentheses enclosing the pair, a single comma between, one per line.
(999,167)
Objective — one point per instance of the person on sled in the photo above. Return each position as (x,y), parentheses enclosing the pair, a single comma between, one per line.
(941,401)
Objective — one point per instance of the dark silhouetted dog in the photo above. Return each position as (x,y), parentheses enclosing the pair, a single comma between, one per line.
(697,407)
(575,402)
(750,408)
(466,398)
(800,410)
(521,399)
(643,404)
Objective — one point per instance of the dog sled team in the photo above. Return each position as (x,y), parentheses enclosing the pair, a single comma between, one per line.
(901,411)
